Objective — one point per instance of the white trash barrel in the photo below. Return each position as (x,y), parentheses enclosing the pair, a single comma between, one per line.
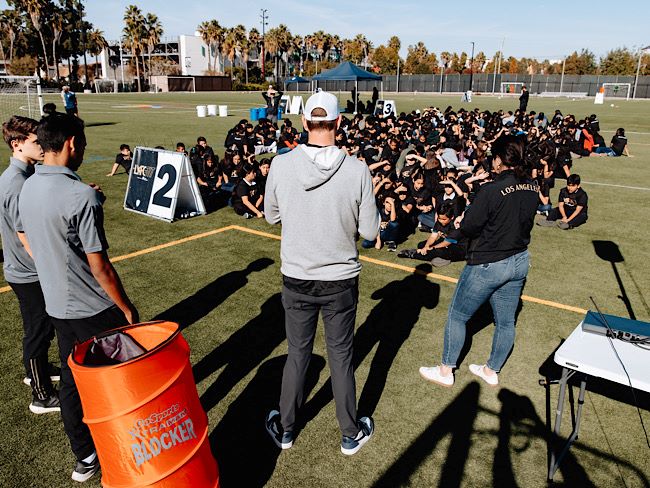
(223,110)
(201,110)
(212,110)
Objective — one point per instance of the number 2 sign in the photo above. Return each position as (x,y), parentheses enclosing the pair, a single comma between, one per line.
(162,185)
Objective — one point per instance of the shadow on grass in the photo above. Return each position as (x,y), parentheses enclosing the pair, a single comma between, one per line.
(100,124)
(242,352)
(573,474)
(387,326)
(246,455)
(609,251)
(456,420)
(197,306)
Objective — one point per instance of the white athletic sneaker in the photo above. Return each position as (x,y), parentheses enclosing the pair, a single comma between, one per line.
(478,370)
(433,375)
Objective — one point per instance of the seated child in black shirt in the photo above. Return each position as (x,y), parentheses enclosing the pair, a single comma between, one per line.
(571,211)
(445,244)
(246,199)
(123,159)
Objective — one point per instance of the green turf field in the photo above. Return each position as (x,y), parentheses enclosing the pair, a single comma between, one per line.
(470,435)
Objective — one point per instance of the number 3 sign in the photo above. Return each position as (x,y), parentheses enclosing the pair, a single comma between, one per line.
(162,185)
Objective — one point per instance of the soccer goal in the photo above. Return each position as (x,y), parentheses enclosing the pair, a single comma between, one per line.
(106,86)
(20,95)
(617,90)
(511,88)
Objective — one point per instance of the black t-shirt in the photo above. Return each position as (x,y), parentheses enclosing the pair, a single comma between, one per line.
(573,200)
(618,144)
(244,189)
(124,161)
(422,196)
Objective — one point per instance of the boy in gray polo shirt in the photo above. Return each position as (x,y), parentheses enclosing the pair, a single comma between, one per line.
(20,135)
(63,219)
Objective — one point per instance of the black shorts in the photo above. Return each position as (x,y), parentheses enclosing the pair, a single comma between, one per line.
(71,111)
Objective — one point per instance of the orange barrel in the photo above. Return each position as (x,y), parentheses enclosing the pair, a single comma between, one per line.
(144,414)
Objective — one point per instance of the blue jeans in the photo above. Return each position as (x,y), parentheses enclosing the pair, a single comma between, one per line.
(390,233)
(605,150)
(501,283)
(428,219)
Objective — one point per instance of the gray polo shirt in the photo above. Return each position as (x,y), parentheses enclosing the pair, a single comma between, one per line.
(18,265)
(64,220)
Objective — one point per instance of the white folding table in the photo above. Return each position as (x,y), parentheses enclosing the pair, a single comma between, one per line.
(592,355)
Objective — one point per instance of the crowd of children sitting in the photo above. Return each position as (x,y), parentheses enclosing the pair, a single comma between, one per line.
(427,168)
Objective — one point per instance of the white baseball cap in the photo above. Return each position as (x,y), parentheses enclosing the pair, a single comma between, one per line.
(324,100)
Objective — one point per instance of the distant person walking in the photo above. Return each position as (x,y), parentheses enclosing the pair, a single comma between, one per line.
(523,99)
(323,198)
(69,100)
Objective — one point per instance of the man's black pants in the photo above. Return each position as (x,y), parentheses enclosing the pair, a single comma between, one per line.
(69,331)
(37,336)
(555,214)
(339,312)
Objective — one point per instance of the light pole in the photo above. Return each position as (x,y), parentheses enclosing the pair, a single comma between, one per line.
(264,22)
(471,69)
(638,69)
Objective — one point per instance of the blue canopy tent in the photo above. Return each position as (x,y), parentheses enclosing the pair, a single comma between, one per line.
(295,79)
(348,71)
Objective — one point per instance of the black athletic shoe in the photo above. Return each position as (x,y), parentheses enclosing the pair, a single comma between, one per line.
(84,471)
(351,445)
(55,375)
(407,253)
(50,404)
(282,439)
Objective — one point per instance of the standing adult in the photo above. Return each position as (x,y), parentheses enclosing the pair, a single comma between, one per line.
(63,219)
(69,100)
(523,99)
(498,224)
(324,198)
(20,272)
(272,99)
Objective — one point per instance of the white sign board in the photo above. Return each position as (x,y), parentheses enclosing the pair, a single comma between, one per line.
(385,108)
(162,185)
(600,98)
(297,105)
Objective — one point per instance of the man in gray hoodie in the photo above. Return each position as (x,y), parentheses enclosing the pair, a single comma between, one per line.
(324,199)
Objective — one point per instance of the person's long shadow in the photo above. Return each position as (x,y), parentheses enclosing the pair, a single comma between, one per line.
(519,423)
(246,455)
(388,326)
(242,351)
(195,307)
(458,420)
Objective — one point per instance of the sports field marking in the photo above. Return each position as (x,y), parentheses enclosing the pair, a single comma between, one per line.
(616,186)
(159,247)
(367,259)
(432,275)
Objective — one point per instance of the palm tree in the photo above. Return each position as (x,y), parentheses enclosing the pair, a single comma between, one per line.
(133,35)
(153,32)
(96,44)
(204,30)
(246,46)
(11,23)
(229,47)
(255,39)
(34,9)
(216,35)
(56,22)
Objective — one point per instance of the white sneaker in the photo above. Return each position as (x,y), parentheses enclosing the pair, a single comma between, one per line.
(433,375)
(479,370)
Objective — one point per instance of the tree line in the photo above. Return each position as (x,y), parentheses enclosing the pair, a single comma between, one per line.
(39,34)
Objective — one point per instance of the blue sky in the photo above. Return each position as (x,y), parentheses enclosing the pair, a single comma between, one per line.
(541,29)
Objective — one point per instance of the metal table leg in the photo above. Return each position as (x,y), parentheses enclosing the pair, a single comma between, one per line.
(555,461)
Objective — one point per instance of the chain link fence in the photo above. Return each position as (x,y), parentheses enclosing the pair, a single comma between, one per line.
(489,83)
